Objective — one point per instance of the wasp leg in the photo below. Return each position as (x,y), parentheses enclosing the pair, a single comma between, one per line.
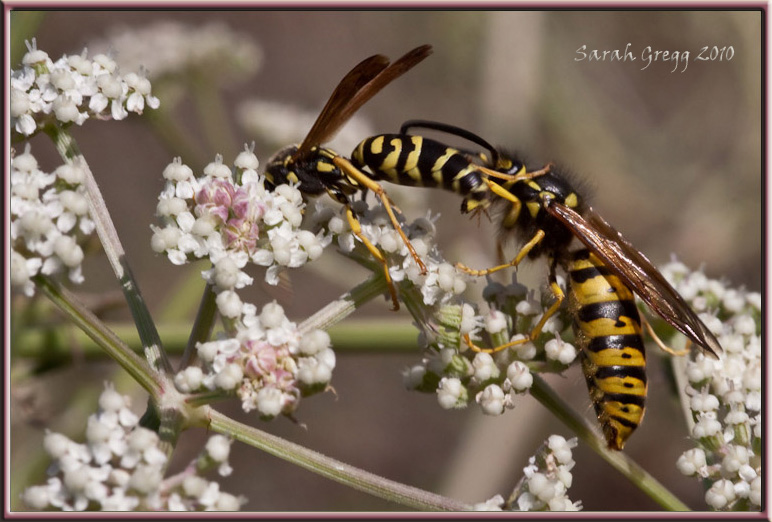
(660,343)
(369,184)
(536,330)
(356,228)
(516,206)
(513,263)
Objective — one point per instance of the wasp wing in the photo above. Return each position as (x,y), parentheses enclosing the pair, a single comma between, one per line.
(636,271)
(363,82)
(329,119)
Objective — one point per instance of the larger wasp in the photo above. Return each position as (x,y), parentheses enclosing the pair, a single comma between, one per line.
(319,170)
(546,213)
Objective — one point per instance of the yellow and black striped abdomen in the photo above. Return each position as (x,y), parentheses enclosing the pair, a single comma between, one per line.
(607,326)
(415,161)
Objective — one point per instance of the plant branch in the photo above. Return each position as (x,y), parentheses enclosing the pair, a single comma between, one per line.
(69,304)
(333,469)
(111,243)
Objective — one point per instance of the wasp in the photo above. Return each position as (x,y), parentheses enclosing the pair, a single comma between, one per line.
(321,170)
(544,211)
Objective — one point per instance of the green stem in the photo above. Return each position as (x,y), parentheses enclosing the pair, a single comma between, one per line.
(101,335)
(202,327)
(618,460)
(345,305)
(352,336)
(333,469)
(111,243)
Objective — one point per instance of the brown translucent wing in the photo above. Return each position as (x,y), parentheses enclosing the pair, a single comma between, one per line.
(329,119)
(363,82)
(637,272)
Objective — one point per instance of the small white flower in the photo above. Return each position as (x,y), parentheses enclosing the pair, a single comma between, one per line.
(314,342)
(270,402)
(560,351)
(519,376)
(229,377)
(229,304)
(484,366)
(451,393)
(495,322)
(189,379)
(218,447)
(493,400)
(720,494)
(691,462)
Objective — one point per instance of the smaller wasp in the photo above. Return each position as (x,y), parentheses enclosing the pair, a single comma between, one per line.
(319,170)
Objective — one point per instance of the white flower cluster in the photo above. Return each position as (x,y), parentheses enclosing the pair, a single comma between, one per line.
(120,467)
(441,282)
(232,220)
(724,394)
(458,374)
(49,221)
(73,89)
(545,483)
(171,48)
(267,363)
(548,477)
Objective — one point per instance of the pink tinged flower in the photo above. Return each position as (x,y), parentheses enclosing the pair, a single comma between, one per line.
(241,234)
(262,358)
(284,380)
(216,198)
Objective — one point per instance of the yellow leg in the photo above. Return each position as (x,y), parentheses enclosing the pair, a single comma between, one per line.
(516,206)
(536,331)
(356,175)
(513,263)
(357,230)
(660,343)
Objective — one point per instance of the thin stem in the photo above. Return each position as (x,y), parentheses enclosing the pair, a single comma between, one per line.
(101,335)
(391,336)
(618,460)
(202,327)
(345,305)
(111,243)
(333,469)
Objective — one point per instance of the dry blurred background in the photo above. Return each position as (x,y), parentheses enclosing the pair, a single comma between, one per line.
(671,158)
